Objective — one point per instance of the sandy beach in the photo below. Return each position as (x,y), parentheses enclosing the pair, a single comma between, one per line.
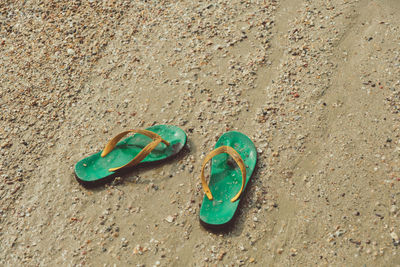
(314,84)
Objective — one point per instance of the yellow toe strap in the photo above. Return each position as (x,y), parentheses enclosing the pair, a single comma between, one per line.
(239,161)
(142,154)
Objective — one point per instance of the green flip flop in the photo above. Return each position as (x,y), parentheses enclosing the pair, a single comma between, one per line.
(233,161)
(153,144)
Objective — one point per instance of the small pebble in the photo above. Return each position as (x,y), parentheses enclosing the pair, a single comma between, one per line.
(170,219)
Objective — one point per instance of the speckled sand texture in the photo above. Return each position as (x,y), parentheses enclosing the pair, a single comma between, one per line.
(315,85)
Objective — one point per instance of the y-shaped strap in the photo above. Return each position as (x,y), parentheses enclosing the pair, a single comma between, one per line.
(142,154)
(239,161)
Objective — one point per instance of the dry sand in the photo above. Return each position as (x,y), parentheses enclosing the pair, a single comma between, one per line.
(315,84)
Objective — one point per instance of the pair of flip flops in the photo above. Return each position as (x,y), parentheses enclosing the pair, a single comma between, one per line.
(232,163)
